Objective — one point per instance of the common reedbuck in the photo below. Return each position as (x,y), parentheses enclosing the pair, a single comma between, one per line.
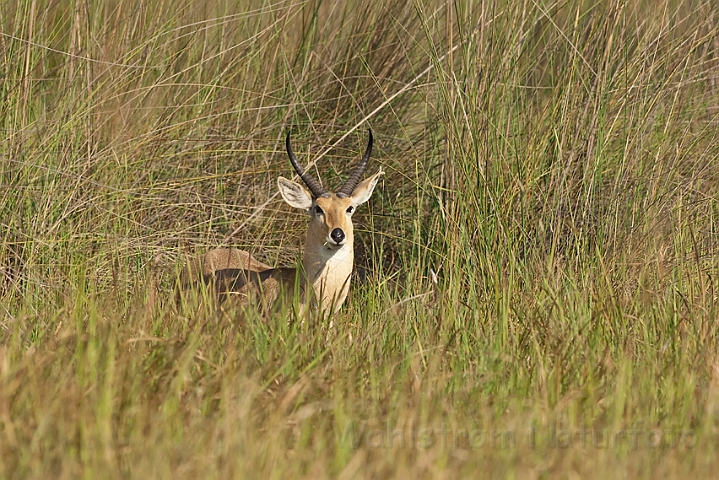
(328,254)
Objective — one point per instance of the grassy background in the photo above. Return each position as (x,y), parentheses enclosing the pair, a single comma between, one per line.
(535,291)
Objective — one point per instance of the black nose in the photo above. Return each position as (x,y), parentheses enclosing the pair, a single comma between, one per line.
(337,235)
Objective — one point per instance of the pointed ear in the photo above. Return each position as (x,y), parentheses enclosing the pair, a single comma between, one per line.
(365,188)
(294,194)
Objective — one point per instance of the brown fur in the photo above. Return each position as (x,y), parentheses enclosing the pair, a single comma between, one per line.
(326,263)
(235,274)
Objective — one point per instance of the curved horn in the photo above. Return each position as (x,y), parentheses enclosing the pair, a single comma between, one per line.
(357,173)
(312,184)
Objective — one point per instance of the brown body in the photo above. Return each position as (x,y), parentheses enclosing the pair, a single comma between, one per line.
(235,275)
(323,278)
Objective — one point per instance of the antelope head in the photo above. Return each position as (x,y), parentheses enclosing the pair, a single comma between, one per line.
(329,249)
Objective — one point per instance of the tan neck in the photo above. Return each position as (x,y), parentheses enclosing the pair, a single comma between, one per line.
(328,271)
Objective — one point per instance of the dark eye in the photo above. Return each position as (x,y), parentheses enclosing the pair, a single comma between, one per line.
(350,209)
(319,211)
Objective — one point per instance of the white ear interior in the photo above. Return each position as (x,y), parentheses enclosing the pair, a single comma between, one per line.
(294,193)
(365,188)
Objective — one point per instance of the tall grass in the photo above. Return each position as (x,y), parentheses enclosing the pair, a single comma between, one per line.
(535,291)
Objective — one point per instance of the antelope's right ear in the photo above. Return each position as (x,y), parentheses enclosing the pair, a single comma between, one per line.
(294,193)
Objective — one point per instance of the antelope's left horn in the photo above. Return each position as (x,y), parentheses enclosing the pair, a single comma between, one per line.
(357,173)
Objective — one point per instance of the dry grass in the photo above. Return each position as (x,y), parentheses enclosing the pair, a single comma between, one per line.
(535,295)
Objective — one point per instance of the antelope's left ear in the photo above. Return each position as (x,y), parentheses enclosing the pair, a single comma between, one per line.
(365,188)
